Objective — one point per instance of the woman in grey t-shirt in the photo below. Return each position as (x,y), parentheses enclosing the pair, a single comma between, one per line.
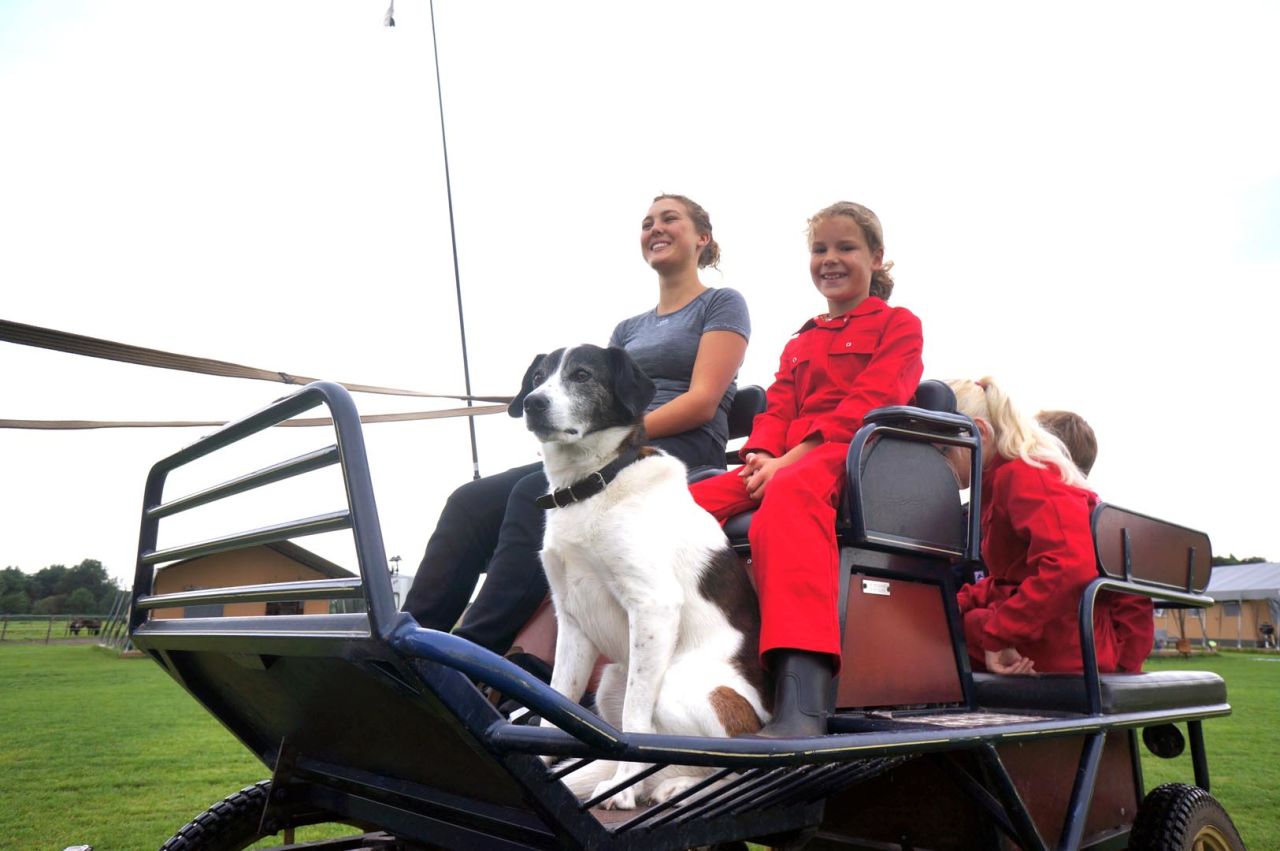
(691,345)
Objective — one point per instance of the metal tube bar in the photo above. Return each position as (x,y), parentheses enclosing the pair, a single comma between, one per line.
(705,803)
(978,793)
(319,524)
(316,589)
(1029,836)
(277,472)
(625,784)
(1199,761)
(561,773)
(672,801)
(1082,792)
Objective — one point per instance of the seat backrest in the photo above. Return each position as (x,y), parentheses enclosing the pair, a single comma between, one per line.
(934,395)
(902,494)
(1150,551)
(748,402)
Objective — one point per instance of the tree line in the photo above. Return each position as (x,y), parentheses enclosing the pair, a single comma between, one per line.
(84,589)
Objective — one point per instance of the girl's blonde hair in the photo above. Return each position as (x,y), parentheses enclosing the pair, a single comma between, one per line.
(1015,435)
(881,280)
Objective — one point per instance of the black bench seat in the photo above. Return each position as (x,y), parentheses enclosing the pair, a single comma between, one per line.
(1121,693)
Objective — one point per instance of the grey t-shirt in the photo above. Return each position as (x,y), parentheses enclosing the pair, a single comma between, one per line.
(665,347)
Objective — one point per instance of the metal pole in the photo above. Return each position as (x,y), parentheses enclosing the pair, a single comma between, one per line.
(453,239)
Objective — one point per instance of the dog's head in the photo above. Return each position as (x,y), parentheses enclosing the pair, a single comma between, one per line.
(573,392)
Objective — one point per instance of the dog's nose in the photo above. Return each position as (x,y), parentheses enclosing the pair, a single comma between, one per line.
(536,404)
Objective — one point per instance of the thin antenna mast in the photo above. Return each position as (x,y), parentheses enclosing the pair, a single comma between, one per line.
(453,239)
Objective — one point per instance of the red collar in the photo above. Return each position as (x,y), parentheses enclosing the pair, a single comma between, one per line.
(870,304)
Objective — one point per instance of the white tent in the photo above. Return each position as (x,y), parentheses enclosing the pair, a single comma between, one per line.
(1241,582)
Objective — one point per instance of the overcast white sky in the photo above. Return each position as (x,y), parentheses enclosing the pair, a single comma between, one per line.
(1082,200)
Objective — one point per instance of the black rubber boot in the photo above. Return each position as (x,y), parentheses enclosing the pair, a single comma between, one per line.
(801,694)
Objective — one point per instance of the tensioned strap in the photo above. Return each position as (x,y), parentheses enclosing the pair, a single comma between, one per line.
(62,341)
(474,411)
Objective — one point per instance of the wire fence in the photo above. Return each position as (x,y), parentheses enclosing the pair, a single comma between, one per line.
(48,628)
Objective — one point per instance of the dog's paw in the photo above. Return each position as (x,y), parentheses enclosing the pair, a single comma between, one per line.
(673,786)
(624,800)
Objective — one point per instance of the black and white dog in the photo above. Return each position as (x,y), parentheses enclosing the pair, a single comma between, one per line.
(638,572)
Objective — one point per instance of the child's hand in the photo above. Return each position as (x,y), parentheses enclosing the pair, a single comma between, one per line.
(751,463)
(1008,661)
(757,469)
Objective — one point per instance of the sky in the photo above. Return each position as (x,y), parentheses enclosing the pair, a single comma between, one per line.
(1081,200)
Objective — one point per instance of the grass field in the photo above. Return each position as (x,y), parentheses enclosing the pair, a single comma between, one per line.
(112,753)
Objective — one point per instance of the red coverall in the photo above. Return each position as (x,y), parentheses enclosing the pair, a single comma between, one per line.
(1038,548)
(832,372)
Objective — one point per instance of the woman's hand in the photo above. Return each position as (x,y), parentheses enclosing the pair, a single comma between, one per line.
(1008,661)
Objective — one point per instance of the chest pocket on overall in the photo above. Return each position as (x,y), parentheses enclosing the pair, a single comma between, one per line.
(848,356)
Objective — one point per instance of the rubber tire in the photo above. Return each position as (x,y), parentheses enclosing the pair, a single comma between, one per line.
(233,823)
(1178,817)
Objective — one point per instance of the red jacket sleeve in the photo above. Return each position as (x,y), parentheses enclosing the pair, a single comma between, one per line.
(890,378)
(976,595)
(769,430)
(1045,513)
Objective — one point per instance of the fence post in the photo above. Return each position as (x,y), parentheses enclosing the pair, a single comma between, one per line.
(49,631)
(4,627)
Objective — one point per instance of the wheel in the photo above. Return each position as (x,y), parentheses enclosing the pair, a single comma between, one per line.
(235,822)
(1178,817)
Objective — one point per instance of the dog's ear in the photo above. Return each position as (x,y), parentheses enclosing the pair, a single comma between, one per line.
(634,389)
(516,408)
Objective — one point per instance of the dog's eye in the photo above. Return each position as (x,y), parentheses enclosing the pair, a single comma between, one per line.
(580,375)
(538,378)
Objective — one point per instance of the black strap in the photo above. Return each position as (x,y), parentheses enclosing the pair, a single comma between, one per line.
(591,485)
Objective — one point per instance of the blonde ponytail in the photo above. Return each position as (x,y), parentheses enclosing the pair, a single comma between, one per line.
(1014,434)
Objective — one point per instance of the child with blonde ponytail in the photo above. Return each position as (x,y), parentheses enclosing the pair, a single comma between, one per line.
(1038,548)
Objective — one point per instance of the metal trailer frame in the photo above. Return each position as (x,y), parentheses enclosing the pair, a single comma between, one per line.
(314,696)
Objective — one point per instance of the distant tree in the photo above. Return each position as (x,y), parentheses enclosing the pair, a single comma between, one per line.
(51,605)
(80,602)
(15,603)
(12,579)
(88,574)
(45,582)
(1231,559)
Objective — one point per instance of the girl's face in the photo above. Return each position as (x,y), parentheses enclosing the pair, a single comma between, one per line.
(669,240)
(841,263)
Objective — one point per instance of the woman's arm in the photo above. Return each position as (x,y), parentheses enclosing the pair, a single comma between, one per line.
(719,355)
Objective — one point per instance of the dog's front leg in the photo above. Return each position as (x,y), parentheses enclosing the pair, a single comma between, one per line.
(575,658)
(652,641)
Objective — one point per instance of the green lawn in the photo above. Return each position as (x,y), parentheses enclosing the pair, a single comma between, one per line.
(105,751)
(1243,748)
(111,752)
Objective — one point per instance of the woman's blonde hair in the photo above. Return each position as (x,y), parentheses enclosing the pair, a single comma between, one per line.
(881,280)
(1014,434)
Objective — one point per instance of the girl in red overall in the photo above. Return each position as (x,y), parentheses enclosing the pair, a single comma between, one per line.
(1038,547)
(860,355)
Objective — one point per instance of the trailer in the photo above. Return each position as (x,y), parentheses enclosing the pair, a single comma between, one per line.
(368,720)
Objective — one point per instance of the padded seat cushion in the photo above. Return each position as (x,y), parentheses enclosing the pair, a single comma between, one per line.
(735,529)
(1121,693)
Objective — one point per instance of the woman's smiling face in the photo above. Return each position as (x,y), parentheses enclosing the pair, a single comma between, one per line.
(668,237)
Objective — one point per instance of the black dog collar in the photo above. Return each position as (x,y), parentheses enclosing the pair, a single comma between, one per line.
(591,485)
